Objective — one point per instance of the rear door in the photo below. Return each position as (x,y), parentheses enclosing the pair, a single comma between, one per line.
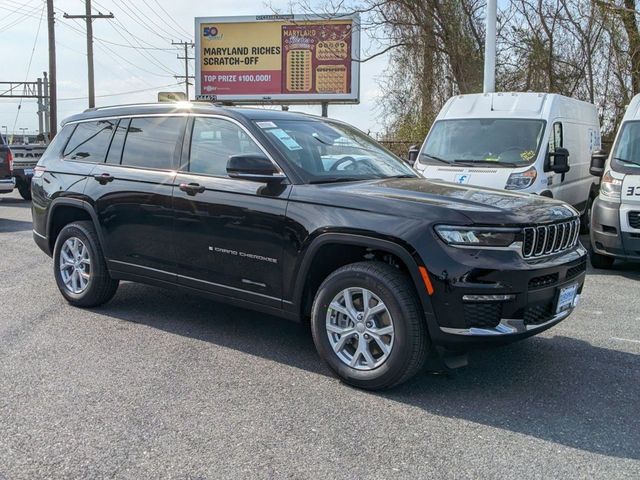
(229,235)
(132,192)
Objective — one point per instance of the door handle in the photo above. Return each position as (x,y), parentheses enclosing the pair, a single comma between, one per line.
(103,178)
(192,188)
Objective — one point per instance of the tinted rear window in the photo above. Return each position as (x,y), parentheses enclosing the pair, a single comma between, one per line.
(89,141)
(152,142)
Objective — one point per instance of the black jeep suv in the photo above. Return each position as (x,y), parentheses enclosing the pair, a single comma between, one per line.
(302,217)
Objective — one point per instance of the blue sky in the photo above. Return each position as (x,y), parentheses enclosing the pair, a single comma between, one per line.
(120,68)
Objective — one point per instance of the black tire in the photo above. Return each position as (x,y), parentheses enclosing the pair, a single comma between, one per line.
(411,340)
(101,287)
(585,218)
(24,190)
(603,262)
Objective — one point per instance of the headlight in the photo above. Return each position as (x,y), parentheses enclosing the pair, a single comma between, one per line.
(610,187)
(522,180)
(477,236)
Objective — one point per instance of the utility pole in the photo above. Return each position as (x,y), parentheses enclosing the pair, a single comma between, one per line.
(53,90)
(490,47)
(186,59)
(88,17)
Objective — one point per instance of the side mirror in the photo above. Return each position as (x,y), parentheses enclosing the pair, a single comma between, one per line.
(413,154)
(254,167)
(598,159)
(560,160)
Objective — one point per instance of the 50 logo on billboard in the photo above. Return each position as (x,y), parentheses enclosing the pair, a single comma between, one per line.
(211,33)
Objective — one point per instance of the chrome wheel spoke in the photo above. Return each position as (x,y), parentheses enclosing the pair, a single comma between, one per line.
(75,265)
(361,335)
(388,330)
(340,344)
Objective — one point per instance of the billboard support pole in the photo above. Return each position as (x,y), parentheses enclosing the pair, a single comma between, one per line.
(325,109)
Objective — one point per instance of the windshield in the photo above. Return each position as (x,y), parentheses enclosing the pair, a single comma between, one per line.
(626,153)
(504,141)
(326,151)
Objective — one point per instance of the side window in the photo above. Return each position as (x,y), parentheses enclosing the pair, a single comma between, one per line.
(152,142)
(556,137)
(115,150)
(213,141)
(89,141)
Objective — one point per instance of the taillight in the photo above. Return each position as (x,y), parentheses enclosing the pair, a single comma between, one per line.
(38,171)
(10,161)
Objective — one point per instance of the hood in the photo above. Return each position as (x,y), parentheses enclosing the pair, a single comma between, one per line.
(413,197)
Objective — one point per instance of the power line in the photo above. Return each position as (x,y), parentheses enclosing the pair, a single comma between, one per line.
(122,93)
(170,17)
(35,42)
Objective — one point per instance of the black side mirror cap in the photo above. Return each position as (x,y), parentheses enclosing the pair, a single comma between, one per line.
(414,150)
(598,160)
(254,167)
(560,160)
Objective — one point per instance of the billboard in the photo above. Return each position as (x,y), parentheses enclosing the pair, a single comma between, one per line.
(278,59)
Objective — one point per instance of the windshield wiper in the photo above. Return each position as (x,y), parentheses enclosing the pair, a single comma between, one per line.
(338,179)
(630,162)
(486,162)
(437,159)
(404,175)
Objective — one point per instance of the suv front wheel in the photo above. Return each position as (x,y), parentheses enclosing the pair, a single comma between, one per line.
(367,325)
(80,268)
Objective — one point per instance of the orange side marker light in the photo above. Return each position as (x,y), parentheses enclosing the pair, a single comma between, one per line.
(427,281)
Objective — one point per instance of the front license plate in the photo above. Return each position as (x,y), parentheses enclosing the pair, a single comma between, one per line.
(566,297)
(28,171)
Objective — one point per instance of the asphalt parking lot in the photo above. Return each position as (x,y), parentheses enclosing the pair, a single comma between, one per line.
(158,384)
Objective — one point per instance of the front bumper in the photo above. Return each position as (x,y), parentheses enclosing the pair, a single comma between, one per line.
(7,185)
(607,237)
(530,291)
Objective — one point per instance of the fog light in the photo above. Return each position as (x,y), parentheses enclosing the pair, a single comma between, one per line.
(488,298)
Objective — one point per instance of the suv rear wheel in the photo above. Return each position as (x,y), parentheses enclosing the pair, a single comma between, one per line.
(366,324)
(79,266)
(25,190)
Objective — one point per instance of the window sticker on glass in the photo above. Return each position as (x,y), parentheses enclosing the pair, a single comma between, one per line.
(286,140)
(266,124)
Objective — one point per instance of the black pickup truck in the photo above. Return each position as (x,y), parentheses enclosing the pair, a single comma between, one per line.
(7,183)
(306,218)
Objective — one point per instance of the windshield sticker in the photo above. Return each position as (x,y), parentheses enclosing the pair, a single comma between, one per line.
(266,125)
(286,140)
(492,159)
(528,155)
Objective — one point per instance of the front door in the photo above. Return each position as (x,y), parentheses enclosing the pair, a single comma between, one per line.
(228,232)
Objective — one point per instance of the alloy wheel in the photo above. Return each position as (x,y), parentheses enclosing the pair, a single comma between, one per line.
(75,265)
(360,328)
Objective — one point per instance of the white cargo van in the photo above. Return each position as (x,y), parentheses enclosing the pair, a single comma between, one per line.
(527,142)
(615,230)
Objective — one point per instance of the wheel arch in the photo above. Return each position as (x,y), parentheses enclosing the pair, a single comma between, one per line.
(66,210)
(315,266)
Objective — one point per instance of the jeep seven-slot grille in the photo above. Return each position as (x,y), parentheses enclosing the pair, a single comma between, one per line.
(548,239)
(634,219)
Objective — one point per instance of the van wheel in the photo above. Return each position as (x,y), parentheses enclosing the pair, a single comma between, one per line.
(367,325)
(601,261)
(585,218)
(80,269)
(24,190)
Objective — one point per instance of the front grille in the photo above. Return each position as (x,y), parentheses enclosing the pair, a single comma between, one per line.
(537,314)
(482,315)
(577,270)
(634,219)
(543,280)
(544,240)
